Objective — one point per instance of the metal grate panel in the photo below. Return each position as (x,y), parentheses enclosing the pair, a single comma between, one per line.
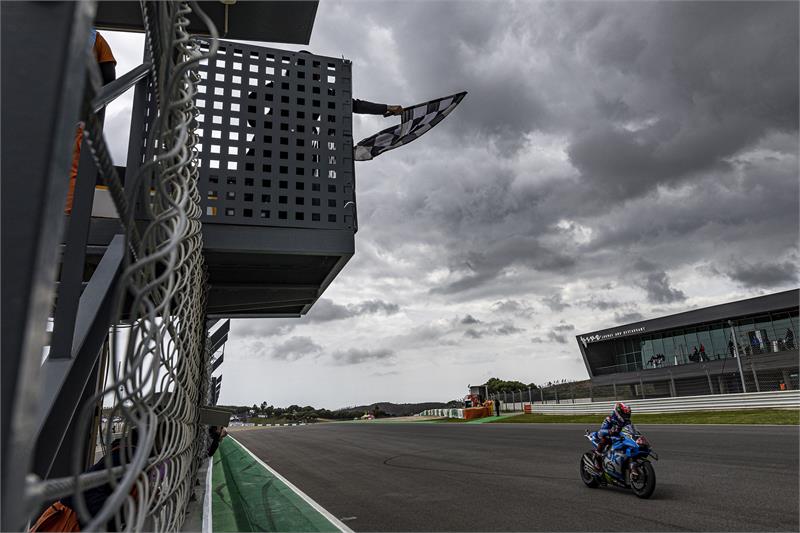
(275,139)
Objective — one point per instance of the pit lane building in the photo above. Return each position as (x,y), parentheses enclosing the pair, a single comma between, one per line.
(657,358)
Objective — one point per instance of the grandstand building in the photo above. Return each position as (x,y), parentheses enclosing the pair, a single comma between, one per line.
(694,352)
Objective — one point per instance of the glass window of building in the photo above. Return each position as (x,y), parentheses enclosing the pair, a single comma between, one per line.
(704,340)
(648,352)
(719,341)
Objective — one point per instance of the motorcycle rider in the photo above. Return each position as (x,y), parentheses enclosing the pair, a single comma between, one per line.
(612,426)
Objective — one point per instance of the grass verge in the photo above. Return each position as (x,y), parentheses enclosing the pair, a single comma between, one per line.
(744,416)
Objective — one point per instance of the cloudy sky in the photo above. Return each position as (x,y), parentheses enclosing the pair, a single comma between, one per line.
(612,162)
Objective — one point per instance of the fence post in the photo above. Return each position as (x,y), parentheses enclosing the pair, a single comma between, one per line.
(735,342)
(755,376)
(541,394)
(591,392)
(555,390)
(615,391)
(530,400)
(710,385)
(786,379)
(572,392)
(641,384)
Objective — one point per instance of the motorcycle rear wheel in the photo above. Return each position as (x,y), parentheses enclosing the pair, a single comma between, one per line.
(588,479)
(645,484)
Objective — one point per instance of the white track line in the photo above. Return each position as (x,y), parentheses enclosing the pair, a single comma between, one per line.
(321,510)
(207,525)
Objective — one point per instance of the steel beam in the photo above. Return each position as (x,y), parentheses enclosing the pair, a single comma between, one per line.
(72,262)
(40,108)
(65,380)
(114,89)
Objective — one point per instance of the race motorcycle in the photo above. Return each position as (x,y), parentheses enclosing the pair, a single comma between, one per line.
(625,463)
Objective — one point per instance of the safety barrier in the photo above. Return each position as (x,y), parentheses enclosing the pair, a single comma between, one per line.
(718,402)
(447,413)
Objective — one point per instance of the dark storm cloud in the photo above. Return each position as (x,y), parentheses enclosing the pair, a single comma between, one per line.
(623,318)
(501,329)
(326,310)
(295,348)
(706,110)
(555,337)
(522,251)
(564,327)
(473,333)
(355,356)
(764,274)
(508,329)
(375,306)
(601,304)
(514,307)
(555,302)
(537,340)
(657,286)
(469,319)
(243,329)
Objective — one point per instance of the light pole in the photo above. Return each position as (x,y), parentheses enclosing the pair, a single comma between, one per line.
(736,353)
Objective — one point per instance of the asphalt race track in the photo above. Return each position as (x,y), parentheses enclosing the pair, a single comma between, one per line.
(524,477)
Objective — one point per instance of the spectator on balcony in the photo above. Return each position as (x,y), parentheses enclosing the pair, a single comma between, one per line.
(108,70)
(788,339)
(703,356)
(731,348)
(695,356)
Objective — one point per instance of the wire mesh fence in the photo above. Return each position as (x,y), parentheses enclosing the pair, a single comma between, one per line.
(156,365)
(728,381)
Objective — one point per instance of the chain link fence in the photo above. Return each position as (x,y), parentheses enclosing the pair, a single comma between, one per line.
(157,372)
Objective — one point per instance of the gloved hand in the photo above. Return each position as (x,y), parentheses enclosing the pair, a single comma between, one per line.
(393,110)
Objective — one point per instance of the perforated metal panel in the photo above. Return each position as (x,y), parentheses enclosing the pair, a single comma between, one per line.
(276,144)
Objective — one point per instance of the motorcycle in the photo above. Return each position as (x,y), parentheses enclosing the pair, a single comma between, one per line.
(625,463)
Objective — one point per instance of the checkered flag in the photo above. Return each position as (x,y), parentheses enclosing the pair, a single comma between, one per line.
(416,121)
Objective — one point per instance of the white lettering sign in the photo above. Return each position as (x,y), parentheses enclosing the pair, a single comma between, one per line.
(605,336)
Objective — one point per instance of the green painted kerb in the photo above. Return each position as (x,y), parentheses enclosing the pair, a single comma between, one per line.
(247,497)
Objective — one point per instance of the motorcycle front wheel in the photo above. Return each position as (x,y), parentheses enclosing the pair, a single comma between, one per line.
(586,476)
(645,483)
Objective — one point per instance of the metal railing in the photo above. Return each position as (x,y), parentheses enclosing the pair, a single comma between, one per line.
(749,400)
(724,381)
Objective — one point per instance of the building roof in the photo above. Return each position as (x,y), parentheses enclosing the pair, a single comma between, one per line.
(751,306)
(273,21)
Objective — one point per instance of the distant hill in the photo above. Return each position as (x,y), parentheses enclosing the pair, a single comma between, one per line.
(397,409)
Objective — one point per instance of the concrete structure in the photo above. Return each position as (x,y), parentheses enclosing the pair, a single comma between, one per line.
(657,358)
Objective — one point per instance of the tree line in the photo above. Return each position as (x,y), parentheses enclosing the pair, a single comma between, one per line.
(297,413)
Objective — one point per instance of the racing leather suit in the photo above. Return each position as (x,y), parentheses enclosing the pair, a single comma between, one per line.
(611,426)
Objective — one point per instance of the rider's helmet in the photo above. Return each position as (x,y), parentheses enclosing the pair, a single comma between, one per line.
(622,412)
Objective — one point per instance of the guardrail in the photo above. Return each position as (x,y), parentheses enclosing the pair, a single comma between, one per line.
(718,402)
(448,413)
